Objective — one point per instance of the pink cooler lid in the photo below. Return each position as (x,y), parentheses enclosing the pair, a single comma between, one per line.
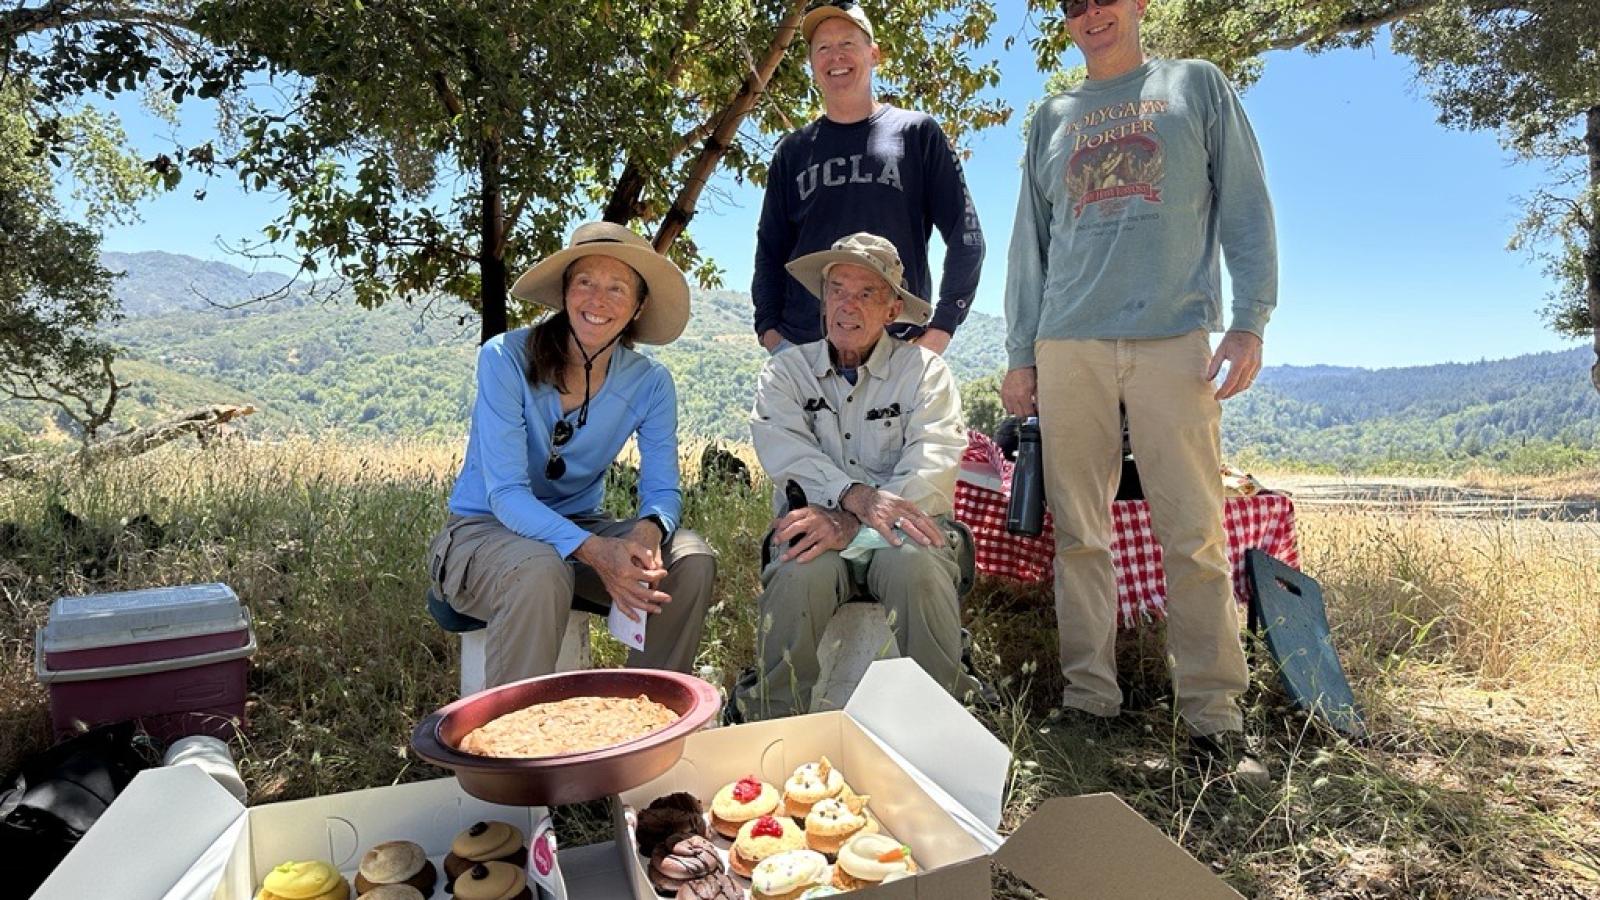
(92,621)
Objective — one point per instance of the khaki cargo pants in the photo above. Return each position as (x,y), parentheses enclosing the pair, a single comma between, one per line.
(915,584)
(524,590)
(1174,425)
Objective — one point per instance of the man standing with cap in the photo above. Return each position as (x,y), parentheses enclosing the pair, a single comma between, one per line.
(1134,185)
(869,428)
(865,166)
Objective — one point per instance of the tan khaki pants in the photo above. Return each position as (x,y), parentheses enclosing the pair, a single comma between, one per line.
(1174,426)
(524,590)
(915,584)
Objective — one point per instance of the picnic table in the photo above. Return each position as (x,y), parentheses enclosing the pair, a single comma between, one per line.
(983,489)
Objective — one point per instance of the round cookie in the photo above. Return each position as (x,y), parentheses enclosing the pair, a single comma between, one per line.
(484,842)
(673,814)
(763,837)
(396,862)
(493,881)
(682,858)
(783,876)
(740,802)
(308,880)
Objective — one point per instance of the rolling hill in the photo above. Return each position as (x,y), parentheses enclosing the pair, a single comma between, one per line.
(315,366)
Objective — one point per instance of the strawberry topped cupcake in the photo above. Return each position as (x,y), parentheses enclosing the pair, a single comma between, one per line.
(837,819)
(811,782)
(762,837)
(870,859)
(744,800)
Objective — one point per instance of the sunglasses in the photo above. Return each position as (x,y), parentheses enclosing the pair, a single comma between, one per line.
(555,466)
(1076,8)
(836,4)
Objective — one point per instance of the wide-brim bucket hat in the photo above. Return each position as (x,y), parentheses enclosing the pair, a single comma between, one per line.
(666,308)
(871,252)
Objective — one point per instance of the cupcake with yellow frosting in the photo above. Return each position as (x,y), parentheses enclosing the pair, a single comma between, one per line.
(870,859)
(835,820)
(763,837)
(811,782)
(310,880)
(784,876)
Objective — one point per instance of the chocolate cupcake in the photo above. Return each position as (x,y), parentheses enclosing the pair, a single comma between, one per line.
(493,881)
(484,842)
(396,862)
(678,813)
(720,886)
(680,859)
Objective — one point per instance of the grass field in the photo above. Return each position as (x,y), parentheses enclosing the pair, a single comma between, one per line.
(1474,647)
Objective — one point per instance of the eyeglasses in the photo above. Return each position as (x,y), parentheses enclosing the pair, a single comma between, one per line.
(1076,8)
(555,466)
(837,4)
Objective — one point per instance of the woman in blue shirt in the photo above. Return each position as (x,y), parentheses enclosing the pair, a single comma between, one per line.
(555,405)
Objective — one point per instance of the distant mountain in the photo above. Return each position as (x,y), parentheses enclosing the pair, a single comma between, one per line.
(313,366)
(156,283)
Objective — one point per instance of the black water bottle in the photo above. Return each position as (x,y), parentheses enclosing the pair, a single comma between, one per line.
(1025,515)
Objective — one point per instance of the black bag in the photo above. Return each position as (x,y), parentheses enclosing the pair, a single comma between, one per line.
(50,804)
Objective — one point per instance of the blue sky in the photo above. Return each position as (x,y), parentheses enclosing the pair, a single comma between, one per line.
(1391,228)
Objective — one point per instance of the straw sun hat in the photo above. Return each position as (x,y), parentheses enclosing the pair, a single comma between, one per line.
(666,309)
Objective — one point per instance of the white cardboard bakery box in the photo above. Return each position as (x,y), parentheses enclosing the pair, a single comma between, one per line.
(175,834)
(936,776)
(937,781)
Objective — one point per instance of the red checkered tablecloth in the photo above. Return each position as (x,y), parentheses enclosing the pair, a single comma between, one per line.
(1265,521)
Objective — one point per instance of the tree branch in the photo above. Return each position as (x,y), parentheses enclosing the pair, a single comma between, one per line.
(727,125)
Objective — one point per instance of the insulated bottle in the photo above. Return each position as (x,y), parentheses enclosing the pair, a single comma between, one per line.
(1025,515)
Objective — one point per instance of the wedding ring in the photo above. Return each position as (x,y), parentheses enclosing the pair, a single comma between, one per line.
(898,521)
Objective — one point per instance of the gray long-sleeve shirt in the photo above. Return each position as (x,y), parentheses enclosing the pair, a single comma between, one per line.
(1133,189)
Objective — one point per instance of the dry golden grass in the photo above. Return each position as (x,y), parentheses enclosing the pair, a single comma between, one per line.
(1473,646)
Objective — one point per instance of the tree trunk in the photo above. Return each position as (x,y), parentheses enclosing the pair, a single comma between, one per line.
(492,243)
(726,125)
(1591,256)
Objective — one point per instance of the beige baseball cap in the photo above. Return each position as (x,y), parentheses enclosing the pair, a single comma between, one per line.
(871,252)
(823,10)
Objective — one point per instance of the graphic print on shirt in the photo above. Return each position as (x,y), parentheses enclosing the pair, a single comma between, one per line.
(857,168)
(1116,157)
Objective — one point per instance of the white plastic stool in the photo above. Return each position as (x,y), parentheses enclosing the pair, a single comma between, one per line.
(574,652)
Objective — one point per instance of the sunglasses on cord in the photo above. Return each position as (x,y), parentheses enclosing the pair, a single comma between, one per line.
(1076,8)
(555,466)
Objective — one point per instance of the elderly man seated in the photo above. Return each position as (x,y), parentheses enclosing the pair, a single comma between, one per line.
(869,429)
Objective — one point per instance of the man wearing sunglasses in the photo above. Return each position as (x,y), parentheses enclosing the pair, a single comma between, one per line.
(864,166)
(1136,184)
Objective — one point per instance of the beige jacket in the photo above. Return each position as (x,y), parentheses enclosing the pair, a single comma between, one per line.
(897,428)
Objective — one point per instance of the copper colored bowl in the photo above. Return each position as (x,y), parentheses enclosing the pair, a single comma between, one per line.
(570,777)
